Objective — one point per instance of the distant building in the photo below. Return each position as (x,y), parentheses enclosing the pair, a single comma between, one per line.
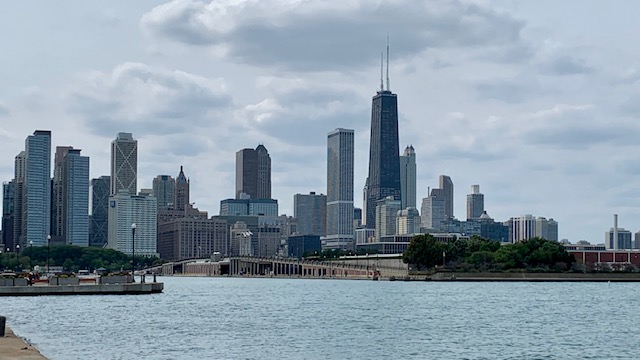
(311,212)
(433,212)
(357,218)
(267,209)
(408,221)
(339,212)
(125,210)
(446,185)
(75,189)
(475,203)
(36,207)
(164,187)
(98,230)
(191,237)
(527,226)
(298,245)
(124,164)
(253,173)
(365,236)
(624,240)
(57,195)
(408,177)
(182,193)
(8,213)
(386,212)
(18,198)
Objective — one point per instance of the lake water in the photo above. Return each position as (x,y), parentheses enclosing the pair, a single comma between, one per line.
(243,318)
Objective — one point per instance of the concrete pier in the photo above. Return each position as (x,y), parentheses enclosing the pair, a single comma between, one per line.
(98,289)
(15,348)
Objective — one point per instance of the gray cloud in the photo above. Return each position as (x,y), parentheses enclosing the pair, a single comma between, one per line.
(329,35)
(566,65)
(142,99)
(4,111)
(510,91)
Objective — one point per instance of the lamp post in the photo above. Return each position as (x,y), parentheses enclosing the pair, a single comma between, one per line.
(8,257)
(48,249)
(17,256)
(31,252)
(133,252)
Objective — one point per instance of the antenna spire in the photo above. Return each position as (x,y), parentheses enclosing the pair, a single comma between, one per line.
(388,88)
(381,67)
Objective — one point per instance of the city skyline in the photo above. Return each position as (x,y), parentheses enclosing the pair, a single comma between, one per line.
(517,107)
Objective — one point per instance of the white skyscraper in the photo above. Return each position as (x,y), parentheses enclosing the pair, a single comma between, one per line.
(124,164)
(340,154)
(386,212)
(125,210)
(408,177)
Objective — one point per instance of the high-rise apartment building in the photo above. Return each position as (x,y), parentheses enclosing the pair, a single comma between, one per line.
(528,226)
(446,185)
(386,213)
(164,187)
(475,203)
(408,221)
(340,155)
(384,151)
(75,189)
(311,212)
(57,195)
(8,212)
(253,173)
(18,197)
(408,177)
(433,210)
(98,231)
(36,207)
(126,210)
(124,164)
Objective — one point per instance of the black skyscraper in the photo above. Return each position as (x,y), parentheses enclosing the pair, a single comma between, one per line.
(384,150)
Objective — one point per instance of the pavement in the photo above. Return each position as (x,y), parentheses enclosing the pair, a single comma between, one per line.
(13,347)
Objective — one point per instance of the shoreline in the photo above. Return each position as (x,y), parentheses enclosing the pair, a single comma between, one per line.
(13,346)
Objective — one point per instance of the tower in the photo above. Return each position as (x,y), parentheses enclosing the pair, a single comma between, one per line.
(384,153)
(57,194)
(253,173)
(408,177)
(99,211)
(181,202)
(446,185)
(311,212)
(340,155)
(164,187)
(75,204)
(36,219)
(475,203)
(124,164)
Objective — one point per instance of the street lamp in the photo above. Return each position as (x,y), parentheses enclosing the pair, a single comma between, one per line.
(18,256)
(48,249)
(133,252)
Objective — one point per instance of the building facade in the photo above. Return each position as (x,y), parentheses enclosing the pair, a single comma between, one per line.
(75,189)
(124,164)
(191,237)
(57,195)
(339,210)
(624,240)
(311,212)
(164,187)
(475,203)
(386,212)
(446,186)
(433,210)
(408,221)
(384,153)
(528,226)
(125,210)
(408,177)
(18,197)
(99,230)
(36,222)
(253,173)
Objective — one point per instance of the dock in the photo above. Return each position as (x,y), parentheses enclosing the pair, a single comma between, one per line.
(88,289)
(15,348)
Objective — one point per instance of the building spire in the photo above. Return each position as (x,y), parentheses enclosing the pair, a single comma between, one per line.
(388,88)
(381,69)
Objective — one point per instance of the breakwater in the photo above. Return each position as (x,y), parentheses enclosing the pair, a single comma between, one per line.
(97,289)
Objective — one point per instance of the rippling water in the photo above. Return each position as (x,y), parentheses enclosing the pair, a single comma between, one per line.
(241,318)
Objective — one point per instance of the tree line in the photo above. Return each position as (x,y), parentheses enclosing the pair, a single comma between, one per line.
(73,258)
(479,254)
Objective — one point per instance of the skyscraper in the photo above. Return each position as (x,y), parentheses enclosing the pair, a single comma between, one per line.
(386,214)
(340,155)
(408,177)
(433,210)
(446,185)
(125,210)
(36,220)
(164,190)
(253,173)
(57,194)
(98,230)
(475,203)
(181,199)
(8,213)
(18,197)
(384,150)
(124,164)
(75,189)
(311,212)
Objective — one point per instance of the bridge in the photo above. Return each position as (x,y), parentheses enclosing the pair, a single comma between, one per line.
(360,267)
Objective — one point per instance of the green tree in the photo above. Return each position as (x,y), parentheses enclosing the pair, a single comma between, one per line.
(424,251)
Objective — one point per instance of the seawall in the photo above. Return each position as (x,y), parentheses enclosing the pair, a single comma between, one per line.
(98,289)
(15,348)
(534,277)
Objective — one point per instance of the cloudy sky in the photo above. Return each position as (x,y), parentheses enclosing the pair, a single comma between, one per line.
(535,101)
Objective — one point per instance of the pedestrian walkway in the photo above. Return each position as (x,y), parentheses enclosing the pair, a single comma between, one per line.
(15,348)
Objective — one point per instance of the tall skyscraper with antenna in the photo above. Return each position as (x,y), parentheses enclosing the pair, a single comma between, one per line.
(384,150)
